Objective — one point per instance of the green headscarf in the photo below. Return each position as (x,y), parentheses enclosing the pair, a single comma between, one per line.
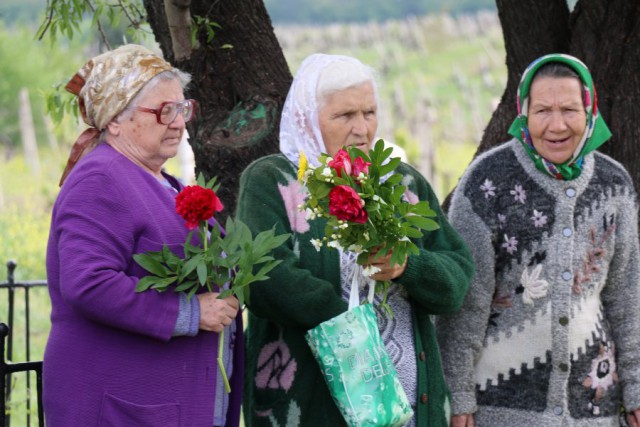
(596,131)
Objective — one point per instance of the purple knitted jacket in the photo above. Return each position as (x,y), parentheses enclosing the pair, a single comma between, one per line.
(110,358)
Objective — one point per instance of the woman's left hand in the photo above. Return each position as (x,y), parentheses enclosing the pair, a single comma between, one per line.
(387,270)
(634,418)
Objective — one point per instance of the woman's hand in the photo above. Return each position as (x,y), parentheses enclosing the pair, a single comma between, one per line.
(464,420)
(387,271)
(634,418)
(216,313)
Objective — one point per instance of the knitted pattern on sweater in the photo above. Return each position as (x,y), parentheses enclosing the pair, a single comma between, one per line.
(284,385)
(549,333)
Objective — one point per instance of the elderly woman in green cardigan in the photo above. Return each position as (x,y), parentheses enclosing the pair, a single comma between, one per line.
(333,103)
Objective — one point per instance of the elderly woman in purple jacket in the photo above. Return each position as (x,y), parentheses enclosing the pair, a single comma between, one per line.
(116,357)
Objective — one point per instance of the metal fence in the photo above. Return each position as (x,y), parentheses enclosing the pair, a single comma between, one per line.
(7,366)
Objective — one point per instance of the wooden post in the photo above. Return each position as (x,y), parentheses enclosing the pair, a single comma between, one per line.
(28,133)
(51,137)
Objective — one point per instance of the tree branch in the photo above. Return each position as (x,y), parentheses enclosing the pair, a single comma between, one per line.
(179,21)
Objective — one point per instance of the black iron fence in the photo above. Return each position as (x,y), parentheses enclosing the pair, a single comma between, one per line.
(7,367)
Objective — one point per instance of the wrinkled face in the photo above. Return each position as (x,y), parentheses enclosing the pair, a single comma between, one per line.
(140,137)
(556,117)
(349,117)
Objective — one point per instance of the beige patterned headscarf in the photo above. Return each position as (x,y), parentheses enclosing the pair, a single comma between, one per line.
(104,86)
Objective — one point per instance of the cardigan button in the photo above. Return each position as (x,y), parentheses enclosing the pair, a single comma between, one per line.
(424,398)
(423,356)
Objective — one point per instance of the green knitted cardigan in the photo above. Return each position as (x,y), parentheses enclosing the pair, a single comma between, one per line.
(283,383)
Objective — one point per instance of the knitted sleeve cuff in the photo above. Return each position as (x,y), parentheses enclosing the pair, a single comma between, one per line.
(194,321)
(188,317)
(463,403)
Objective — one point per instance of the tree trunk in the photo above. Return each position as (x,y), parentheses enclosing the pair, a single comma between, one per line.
(531,28)
(606,35)
(240,80)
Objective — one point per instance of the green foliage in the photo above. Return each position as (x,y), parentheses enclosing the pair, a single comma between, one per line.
(34,66)
(65,17)
(203,24)
(25,212)
(236,259)
(392,220)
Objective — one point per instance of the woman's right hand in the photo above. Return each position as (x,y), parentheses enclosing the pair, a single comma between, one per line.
(216,313)
(464,420)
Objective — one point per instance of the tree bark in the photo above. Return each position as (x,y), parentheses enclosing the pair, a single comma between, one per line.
(606,35)
(240,80)
(531,28)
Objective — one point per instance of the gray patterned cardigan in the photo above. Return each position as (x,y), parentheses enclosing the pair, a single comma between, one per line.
(549,334)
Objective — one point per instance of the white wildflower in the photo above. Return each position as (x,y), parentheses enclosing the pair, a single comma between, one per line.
(355,248)
(317,243)
(334,244)
(310,214)
(370,270)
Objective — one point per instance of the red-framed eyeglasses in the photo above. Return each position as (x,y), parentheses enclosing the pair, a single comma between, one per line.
(169,111)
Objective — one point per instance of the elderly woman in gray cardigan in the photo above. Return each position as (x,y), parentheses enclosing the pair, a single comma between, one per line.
(549,333)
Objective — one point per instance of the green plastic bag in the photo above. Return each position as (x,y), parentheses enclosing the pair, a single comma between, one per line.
(360,375)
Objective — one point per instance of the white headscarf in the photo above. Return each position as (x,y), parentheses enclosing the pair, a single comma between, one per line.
(299,127)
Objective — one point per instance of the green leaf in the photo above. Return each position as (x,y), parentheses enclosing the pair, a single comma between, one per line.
(192,292)
(191,265)
(423,208)
(150,261)
(162,284)
(184,286)
(422,222)
(386,168)
(202,273)
(413,233)
(225,293)
(145,283)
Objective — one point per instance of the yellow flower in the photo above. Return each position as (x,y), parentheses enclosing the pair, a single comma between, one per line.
(302,166)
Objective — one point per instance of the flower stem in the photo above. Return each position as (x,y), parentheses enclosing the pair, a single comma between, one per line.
(223,371)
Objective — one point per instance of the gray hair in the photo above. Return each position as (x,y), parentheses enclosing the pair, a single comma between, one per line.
(344,74)
(556,70)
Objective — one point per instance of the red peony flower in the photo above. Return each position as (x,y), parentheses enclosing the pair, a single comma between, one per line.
(195,204)
(359,165)
(345,204)
(341,162)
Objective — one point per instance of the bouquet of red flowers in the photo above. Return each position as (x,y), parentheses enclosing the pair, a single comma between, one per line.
(366,205)
(224,262)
